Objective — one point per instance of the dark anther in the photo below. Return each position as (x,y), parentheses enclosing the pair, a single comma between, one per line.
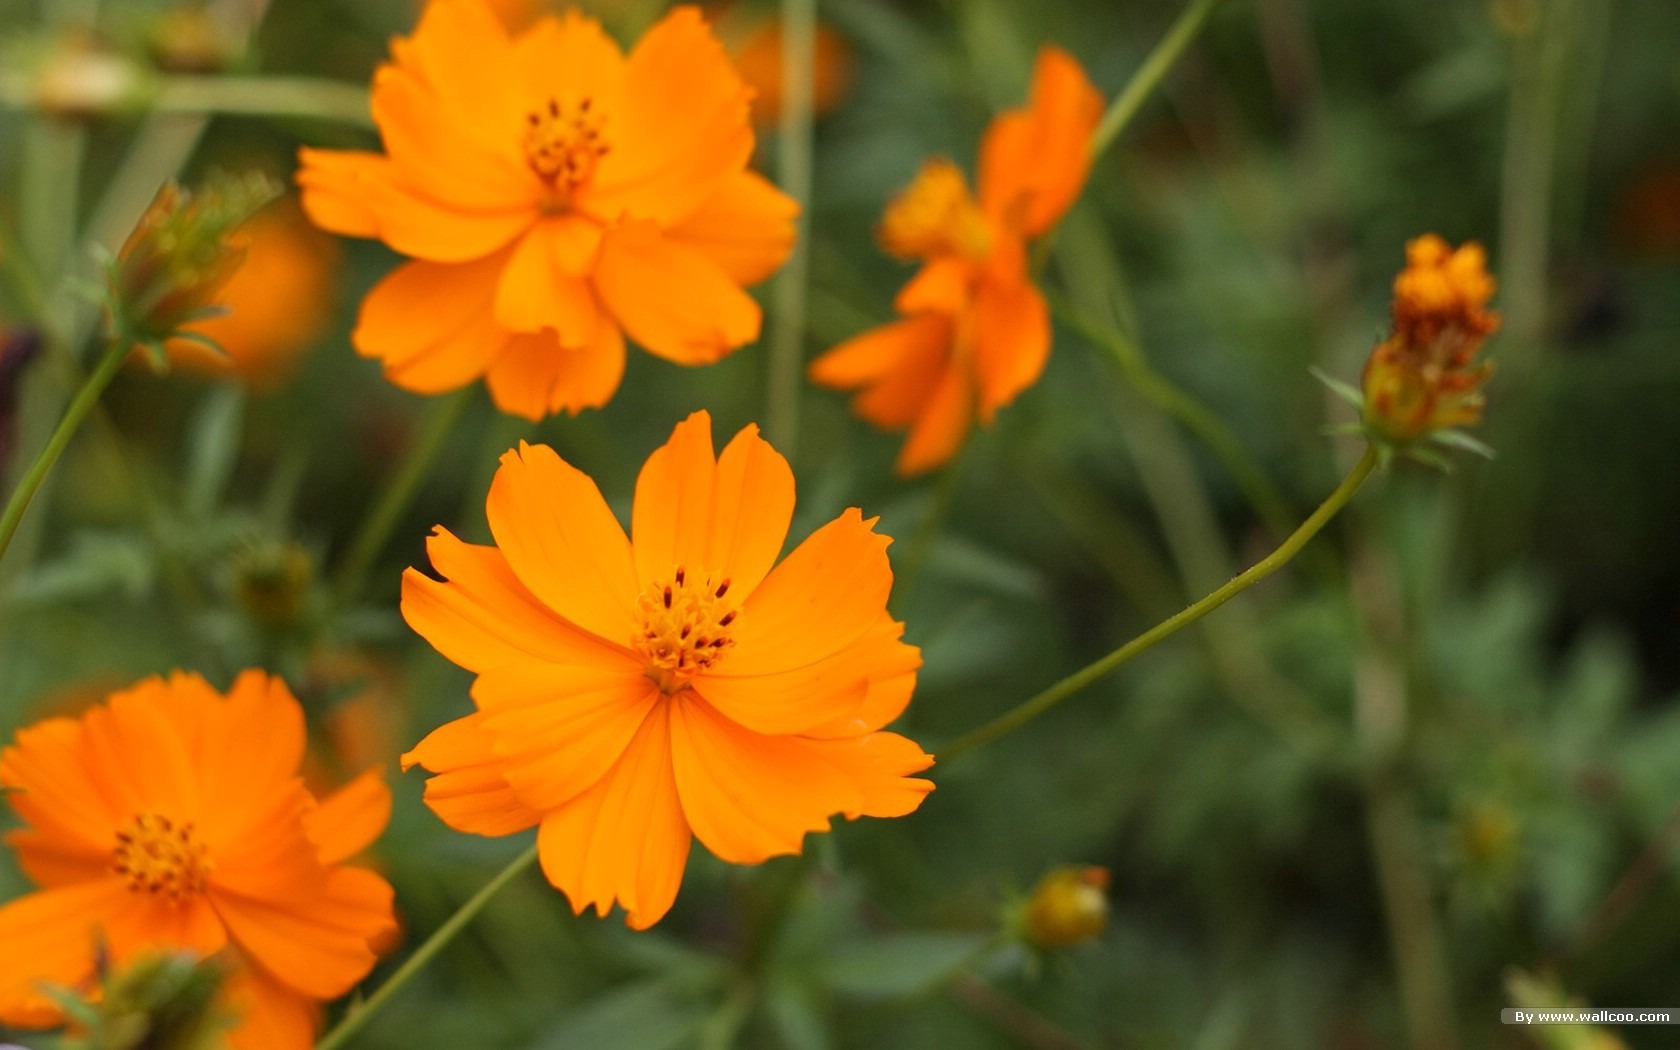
(723,588)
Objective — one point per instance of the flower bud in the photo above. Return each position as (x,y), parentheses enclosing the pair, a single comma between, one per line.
(189,38)
(1421,380)
(272,583)
(178,257)
(160,1001)
(1068,906)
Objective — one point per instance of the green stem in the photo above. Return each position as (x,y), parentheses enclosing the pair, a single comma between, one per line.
(1073,683)
(266,96)
(358,1016)
(793,166)
(382,518)
(79,408)
(920,546)
(1149,75)
(1164,394)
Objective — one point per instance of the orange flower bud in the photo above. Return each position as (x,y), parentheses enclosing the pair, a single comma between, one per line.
(178,257)
(1068,906)
(1421,379)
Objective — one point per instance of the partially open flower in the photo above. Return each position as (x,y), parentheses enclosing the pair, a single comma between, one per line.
(179,256)
(1068,906)
(165,1000)
(1422,379)
(975,330)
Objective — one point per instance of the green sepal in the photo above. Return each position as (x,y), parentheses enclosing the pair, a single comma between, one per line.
(1340,389)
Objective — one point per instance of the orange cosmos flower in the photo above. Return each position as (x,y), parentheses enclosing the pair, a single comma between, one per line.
(555,195)
(633,694)
(976,330)
(1421,379)
(172,817)
(277,300)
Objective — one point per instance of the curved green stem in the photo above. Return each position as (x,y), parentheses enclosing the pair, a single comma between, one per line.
(362,1013)
(1073,683)
(1266,498)
(80,406)
(1149,75)
(266,96)
(397,495)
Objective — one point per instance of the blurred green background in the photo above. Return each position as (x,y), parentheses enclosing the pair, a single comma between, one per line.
(1441,748)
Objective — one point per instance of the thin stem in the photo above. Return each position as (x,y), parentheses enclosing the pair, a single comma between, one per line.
(1151,73)
(267,96)
(1266,498)
(80,406)
(1073,683)
(382,517)
(358,1016)
(793,166)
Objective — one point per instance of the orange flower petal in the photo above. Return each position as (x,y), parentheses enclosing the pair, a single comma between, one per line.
(483,617)
(818,601)
(146,922)
(941,286)
(746,227)
(749,796)
(271,1016)
(468,791)
(726,516)
(553,741)
(890,668)
(535,376)
(684,130)
(72,822)
(49,937)
(674,301)
(1033,161)
(365,195)
(1011,342)
(319,948)
(879,765)
(942,426)
(449,161)
(536,293)
(462,52)
(625,839)
(898,364)
(350,819)
(430,324)
(562,541)
(567,59)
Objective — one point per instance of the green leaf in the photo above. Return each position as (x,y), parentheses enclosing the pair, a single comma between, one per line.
(1339,388)
(646,1015)
(899,965)
(213,447)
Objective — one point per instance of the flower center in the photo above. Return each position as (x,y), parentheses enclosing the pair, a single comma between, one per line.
(684,627)
(563,145)
(158,856)
(935,215)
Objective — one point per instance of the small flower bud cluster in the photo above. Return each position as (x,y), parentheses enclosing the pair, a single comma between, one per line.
(180,254)
(1422,379)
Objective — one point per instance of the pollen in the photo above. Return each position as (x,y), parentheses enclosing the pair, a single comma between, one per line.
(161,857)
(564,144)
(683,626)
(935,215)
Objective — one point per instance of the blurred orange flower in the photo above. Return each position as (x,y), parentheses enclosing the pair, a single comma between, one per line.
(172,817)
(278,301)
(1421,379)
(634,695)
(976,330)
(556,195)
(756,45)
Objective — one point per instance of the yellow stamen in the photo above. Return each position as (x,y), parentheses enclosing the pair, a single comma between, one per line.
(564,145)
(155,855)
(684,627)
(935,215)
